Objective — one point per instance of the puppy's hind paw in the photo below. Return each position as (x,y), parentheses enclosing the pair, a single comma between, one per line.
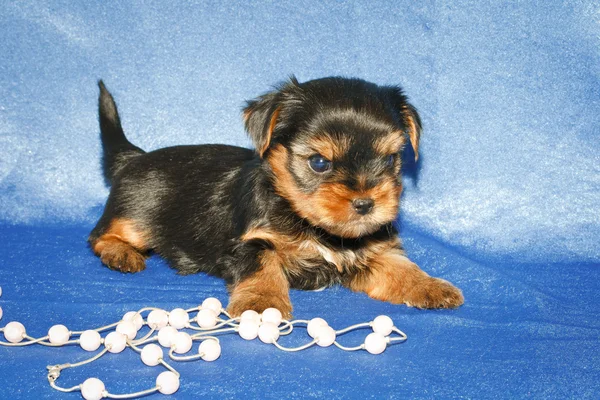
(120,256)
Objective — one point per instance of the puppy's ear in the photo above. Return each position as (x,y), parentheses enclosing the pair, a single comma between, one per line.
(413,127)
(260,119)
(410,118)
(263,115)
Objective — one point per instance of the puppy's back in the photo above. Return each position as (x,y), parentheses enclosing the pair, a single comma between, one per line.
(179,198)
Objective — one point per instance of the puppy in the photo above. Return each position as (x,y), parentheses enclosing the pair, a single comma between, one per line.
(312,206)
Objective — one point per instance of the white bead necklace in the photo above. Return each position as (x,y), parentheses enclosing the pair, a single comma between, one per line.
(177,332)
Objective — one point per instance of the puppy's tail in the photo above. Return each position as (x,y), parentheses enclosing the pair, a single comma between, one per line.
(118,151)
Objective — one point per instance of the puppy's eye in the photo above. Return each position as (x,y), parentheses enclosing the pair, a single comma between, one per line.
(319,164)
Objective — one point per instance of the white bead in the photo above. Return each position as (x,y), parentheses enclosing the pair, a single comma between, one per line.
(127,328)
(382,324)
(151,354)
(325,336)
(167,382)
(115,342)
(178,318)
(250,315)
(213,304)
(90,340)
(0,291)
(134,317)
(313,326)
(59,334)
(1,313)
(14,332)
(248,329)
(206,318)
(182,343)
(272,315)
(158,319)
(268,332)
(375,343)
(209,350)
(92,389)
(166,336)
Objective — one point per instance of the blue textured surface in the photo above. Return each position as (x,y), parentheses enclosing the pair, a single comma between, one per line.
(506,203)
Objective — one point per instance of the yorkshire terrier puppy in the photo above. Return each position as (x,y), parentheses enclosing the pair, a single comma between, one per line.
(312,206)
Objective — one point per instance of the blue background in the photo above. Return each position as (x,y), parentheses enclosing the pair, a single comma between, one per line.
(505,201)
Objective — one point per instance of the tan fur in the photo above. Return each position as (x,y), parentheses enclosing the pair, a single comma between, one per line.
(328,147)
(413,133)
(121,246)
(267,287)
(272,124)
(390,144)
(394,278)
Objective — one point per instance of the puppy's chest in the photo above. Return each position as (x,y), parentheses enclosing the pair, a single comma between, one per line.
(310,264)
(311,251)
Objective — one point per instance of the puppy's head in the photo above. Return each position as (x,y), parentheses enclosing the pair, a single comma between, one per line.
(333,146)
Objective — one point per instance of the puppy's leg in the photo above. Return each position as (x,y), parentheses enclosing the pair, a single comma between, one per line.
(393,277)
(264,288)
(119,244)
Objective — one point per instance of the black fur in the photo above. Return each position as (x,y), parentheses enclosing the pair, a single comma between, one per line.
(116,148)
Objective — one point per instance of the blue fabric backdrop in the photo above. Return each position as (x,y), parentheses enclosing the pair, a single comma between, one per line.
(505,202)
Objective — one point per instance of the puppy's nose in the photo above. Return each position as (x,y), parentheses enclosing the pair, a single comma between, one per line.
(362,206)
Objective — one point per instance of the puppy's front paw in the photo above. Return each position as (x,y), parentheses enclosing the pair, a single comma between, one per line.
(434,293)
(259,303)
